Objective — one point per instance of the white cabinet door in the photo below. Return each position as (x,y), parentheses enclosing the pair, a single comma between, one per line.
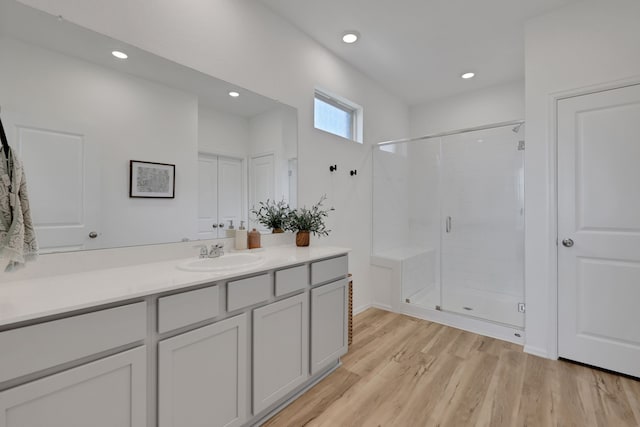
(599,229)
(329,324)
(280,349)
(202,376)
(110,392)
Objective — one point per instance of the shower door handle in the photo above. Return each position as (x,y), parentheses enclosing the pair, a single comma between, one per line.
(448,224)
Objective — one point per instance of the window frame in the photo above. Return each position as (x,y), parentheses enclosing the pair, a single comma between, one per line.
(354,111)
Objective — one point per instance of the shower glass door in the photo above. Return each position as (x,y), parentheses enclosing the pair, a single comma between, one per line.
(420,265)
(482,224)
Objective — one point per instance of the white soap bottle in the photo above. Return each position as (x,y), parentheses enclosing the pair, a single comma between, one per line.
(231,231)
(241,237)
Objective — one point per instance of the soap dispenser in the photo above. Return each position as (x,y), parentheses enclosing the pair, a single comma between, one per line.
(231,231)
(241,237)
(254,239)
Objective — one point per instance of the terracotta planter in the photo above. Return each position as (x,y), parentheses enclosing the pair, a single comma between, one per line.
(277,230)
(302,238)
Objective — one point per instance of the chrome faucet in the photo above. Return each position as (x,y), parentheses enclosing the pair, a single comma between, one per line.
(215,251)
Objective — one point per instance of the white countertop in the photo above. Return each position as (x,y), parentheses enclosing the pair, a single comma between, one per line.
(31,299)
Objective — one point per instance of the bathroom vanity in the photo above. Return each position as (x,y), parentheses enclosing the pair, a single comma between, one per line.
(153,344)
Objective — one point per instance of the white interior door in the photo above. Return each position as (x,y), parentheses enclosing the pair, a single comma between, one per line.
(599,229)
(230,192)
(220,194)
(63,181)
(293,182)
(207,196)
(263,181)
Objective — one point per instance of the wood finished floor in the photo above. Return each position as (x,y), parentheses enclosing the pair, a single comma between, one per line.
(407,372)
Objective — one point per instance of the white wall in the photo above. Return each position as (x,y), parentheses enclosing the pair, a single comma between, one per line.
(275,132)
(124,118)
(222,133)
(581,46)
(491,105)
(245,43)
(266,138)
(391,199)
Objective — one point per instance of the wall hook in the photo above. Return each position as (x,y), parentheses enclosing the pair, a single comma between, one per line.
(333,168)
(354,172)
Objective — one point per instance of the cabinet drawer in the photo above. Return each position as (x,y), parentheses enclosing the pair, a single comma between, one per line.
(291,280)
(330,269)
(33,348)
(176,311)
(246,292)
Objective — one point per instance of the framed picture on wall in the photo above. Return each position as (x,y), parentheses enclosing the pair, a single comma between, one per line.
(152,180)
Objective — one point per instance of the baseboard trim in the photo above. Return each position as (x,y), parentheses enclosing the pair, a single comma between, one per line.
(384,307)
(365,307)
(362,308)
(537,351)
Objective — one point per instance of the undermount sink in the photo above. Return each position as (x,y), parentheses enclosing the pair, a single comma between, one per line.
(223,263)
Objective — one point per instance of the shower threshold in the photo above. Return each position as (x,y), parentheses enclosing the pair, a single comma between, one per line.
(492,306)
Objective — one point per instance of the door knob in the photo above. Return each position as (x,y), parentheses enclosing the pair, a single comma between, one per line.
(93,235)
(567,243)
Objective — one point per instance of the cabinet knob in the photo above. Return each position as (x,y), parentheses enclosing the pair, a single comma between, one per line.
(93,235)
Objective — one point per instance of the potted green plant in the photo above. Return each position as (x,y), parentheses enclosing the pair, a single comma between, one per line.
(272,214)
(303,221)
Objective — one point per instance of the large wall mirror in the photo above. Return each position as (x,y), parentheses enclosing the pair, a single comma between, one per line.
(77,116)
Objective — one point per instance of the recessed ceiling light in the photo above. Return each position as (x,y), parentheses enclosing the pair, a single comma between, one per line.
(350,37)
(234,94)
(468,75)
(119,55)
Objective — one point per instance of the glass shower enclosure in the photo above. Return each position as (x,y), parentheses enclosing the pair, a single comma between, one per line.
(450,208)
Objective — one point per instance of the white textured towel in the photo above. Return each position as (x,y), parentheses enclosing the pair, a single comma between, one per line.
(17,236)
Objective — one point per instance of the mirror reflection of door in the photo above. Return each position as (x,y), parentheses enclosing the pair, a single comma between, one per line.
(292,171)
(220,194)
(262,182)
(62,185)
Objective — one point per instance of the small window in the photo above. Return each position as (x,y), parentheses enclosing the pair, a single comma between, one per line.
(337,116)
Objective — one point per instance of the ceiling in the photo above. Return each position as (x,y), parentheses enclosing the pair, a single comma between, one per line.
(36,27)
(418,49)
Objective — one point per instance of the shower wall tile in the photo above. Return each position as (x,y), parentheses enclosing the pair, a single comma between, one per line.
(390,201)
